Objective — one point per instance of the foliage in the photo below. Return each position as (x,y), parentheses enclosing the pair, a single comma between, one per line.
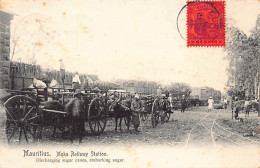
(243,56)
(178,89)
(106,85)
(139,86)
(137,83)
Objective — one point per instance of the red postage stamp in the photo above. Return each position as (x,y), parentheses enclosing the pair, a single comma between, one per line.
(206,23)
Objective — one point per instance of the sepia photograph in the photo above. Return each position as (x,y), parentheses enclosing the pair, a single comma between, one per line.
(129,83)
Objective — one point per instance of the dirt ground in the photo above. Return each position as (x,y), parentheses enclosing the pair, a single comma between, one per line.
(195,127)
(183,129)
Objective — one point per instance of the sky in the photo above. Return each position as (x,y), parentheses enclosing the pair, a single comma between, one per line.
(120,39)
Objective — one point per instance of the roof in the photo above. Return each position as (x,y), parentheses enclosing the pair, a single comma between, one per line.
(7,12)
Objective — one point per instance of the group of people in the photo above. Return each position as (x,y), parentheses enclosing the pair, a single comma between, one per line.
(75,111)
(183,101)
(245,105)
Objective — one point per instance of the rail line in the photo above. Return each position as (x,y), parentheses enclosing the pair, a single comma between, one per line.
(211,129)
(220,136)
(235,133)
(187,142)
(212,133)
(245,138)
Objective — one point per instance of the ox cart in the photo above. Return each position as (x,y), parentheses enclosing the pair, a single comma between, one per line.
(156,108)
(26,117)
(161,110)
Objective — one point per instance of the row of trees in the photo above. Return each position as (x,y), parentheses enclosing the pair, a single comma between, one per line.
(106,85)
(243,56)
(178,89)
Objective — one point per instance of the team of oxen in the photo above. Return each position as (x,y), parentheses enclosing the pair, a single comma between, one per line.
(128,109)
(118,109)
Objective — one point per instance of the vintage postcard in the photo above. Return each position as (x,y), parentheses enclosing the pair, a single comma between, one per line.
(129,83)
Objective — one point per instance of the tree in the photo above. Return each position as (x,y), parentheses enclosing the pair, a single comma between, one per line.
(178,89)
(105,85)
(243,56)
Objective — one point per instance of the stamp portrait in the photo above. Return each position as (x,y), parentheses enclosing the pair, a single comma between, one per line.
(206,23)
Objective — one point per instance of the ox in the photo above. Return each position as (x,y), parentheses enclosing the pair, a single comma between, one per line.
(122,110)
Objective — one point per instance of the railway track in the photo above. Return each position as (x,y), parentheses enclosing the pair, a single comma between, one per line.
(223,137)
(213,131)
(188,139)
(237,135)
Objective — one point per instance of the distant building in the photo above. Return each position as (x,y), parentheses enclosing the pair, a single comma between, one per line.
(203,93)
(142,87)
(5,20)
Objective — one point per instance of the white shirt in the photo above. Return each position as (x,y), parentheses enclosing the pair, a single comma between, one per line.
(246,103)
(76,79)
(210,101)
(170,100)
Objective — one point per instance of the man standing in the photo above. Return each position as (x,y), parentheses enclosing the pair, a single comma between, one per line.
(62,72)
(210,104)
(75,111)
(165,106)
(170,100)
(183,103)
(136,107)
(76,82)
(225,103)
(247,107)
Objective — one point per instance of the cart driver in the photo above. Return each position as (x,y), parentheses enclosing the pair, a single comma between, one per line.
(136,107)
(164,106)
(75,112)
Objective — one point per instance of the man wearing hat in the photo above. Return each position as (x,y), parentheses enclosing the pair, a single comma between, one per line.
(183,104)
(210,103)
(163,102)
(75,111)
(165,105)
(170,99)
(136,107)
(247,107)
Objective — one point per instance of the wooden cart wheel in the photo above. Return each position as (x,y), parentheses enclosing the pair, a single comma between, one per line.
(97,116)
(24,118)
(155,113)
